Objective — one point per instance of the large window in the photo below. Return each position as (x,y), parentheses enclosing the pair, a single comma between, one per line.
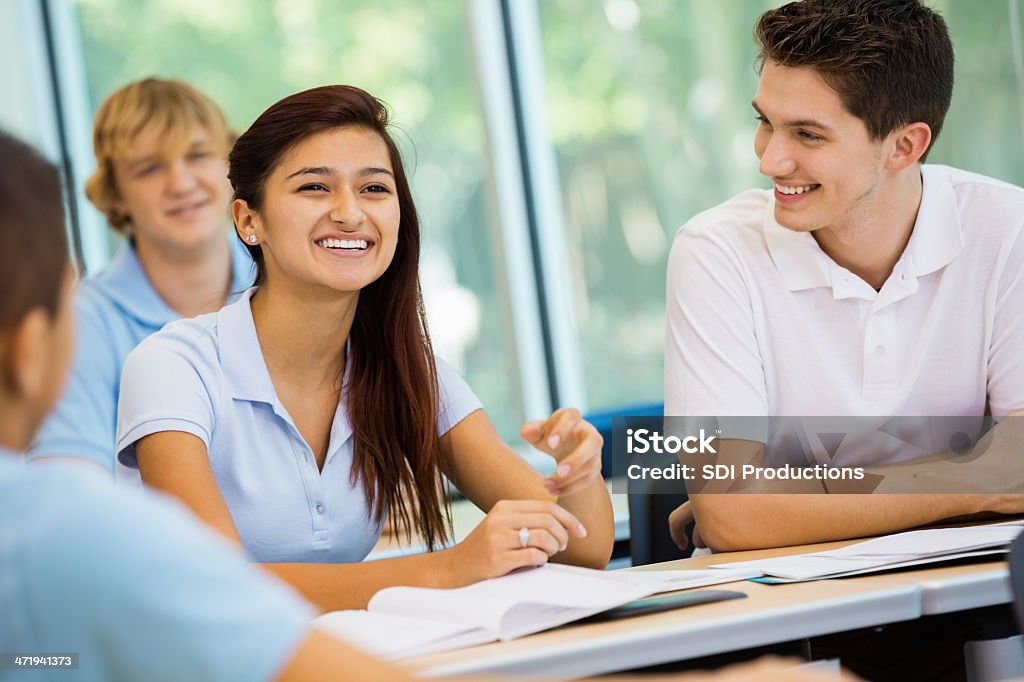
(984,131)
(413,55)
(547,223)
(23,53)
(649,112)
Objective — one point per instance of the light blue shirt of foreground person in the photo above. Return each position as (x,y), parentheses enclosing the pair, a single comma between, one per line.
(114,311)
(132,584)
(207,377)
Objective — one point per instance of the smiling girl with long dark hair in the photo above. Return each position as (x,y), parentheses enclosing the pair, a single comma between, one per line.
(301,417)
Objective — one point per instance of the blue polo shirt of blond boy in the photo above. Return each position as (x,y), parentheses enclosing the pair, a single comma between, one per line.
(114,312)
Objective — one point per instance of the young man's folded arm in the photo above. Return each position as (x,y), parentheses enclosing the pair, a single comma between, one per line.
(948,486)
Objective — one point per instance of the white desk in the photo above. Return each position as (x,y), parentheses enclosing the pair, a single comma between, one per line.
(943,588)
(770,614)
(957,588)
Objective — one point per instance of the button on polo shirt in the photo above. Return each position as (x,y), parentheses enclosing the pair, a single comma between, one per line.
(935,241)
(762,322)
(207,377)
(114,311)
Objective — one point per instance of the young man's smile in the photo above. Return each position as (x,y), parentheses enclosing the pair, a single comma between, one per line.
(793,194)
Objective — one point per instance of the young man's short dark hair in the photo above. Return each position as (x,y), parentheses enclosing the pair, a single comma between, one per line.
(891,61)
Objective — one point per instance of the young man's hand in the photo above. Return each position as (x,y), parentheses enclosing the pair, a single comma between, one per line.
(678,520)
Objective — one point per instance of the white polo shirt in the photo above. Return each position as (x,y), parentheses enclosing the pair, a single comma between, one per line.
(761,322)
(206,376)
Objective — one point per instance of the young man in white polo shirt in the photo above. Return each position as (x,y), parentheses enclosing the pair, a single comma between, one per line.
(865,283)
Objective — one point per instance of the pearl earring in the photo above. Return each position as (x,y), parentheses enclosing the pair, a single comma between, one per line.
(252,239)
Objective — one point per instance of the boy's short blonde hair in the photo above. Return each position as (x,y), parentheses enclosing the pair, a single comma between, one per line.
(171,108)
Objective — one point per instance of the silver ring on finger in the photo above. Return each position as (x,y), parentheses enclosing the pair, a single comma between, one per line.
(524,537)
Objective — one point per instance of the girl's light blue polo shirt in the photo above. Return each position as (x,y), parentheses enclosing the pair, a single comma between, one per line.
(206,376)
(114,311)
(132,584)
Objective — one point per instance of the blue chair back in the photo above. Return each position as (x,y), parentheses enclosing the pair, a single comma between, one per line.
(650,502)
(602,421)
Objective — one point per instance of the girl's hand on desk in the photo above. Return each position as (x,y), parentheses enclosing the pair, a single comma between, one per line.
(574,443)
(495,547)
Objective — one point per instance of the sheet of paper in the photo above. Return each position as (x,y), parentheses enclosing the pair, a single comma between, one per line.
(887,567)
(396,637)
(899,548)
(670,581)
(930,542)
(556,584)
(804,567)
(516,604)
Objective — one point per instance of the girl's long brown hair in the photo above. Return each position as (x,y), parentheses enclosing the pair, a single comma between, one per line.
(392,395)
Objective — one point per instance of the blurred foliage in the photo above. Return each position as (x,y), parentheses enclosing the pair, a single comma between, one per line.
(649,110)
(652,123)
(413,55)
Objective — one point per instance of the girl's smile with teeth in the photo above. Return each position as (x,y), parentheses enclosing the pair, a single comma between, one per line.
(348,244)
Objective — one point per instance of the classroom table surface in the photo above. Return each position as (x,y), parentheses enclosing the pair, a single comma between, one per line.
(956,588)
(770,614)
(944,588)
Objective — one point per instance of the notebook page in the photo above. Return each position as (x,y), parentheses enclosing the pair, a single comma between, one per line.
(557,584)
(446,606)
(930,542)
(805,566)
(551,595)
(670,581)
(516,604)
(888,566)
(885,551)
(393,638)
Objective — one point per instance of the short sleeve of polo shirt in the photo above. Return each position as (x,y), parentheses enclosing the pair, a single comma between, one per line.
(457,399)
(138,589)
(713,366)
(1006,349)
(83,422)
(168,384)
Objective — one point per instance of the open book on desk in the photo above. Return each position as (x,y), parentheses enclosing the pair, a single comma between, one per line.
(900,550)
(402,622)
